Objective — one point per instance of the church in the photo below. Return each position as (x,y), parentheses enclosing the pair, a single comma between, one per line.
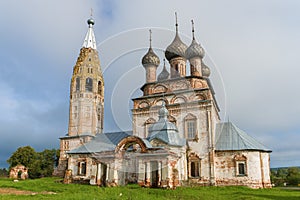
(177,137)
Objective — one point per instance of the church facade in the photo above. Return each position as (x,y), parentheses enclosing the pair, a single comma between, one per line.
(177,136)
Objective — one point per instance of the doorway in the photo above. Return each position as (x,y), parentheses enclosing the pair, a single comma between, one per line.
(154,174)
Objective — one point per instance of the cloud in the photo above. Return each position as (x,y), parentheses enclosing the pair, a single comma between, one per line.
(254,45)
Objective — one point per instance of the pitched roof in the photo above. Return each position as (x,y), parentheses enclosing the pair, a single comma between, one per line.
(102,142)
(164,130)
(230,137)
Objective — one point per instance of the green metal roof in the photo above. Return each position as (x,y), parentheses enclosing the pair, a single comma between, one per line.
(101,143)
(230,137)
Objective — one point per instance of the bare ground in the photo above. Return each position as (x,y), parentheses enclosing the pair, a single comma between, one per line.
(21,192)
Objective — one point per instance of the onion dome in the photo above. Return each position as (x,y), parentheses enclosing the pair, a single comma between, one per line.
(177,48)
(150,58)
(205,70)
(195,49)
(164,74)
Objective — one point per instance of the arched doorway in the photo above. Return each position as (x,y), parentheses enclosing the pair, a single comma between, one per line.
(128,151)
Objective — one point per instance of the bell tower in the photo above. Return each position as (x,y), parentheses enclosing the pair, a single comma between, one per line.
(87,90)
(86,100)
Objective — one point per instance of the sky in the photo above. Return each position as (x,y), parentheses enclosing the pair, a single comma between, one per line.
(252,48)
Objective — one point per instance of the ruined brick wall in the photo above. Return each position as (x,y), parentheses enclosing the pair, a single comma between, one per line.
(256,168)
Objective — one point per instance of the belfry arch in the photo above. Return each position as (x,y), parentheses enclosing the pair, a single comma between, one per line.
(131,140)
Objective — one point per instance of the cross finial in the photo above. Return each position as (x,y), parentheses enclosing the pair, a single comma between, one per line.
(176,22)
(150,39)
(193,30)
(91,12)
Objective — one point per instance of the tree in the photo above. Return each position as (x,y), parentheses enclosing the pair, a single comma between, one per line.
(3,172)
(278,176)
(39,164)
(293,176)
(46,162)
(23,156)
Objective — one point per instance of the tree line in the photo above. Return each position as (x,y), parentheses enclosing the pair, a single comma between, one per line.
(39,164)
(289,176)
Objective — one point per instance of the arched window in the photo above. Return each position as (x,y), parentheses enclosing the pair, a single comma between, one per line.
(191,127)
(89,85)
(241,165)
(81,168)
(77,84)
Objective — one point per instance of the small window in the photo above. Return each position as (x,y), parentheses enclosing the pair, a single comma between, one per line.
(90,59)
(241,165)
(241,169)
(99,88)
(66,145)
(82,168)
(195,169)
(77,84)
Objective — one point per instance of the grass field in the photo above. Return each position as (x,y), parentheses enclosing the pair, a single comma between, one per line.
(50,188)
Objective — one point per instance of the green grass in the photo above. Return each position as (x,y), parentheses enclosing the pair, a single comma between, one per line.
(75,191)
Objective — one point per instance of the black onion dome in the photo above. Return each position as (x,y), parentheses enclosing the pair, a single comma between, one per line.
(194,50)
(150,58)
(176,49)
(205,70)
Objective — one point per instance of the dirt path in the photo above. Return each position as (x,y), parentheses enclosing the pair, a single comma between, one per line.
(21,192)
